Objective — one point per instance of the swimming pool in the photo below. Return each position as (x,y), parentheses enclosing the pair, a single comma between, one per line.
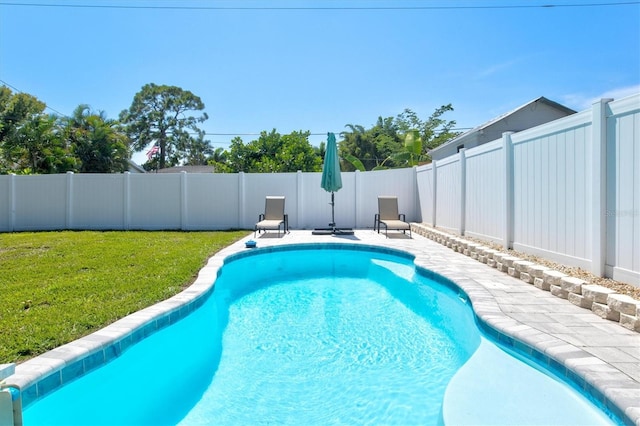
(318,335)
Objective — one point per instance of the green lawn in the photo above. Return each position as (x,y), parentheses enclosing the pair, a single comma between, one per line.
(58,286)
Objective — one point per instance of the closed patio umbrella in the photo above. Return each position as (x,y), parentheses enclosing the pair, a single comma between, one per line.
(331,182)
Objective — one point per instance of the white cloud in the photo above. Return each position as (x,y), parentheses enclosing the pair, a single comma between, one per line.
(581,101)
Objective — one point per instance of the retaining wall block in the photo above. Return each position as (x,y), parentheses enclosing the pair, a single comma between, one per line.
(541,284)
(558,291)
(629,321)
(522,265)
(498,256)
(580,300)
(537,271)
(623,304)
(597,293)
(524,276)
(490,253)
(603,311)
(602,301)
(573,285)
(508,260)
(552,277)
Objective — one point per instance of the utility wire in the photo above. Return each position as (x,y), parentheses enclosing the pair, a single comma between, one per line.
(437,7)
(206,133)
(45,104)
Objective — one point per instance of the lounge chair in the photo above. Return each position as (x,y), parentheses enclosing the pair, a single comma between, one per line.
(273,217)
(389,217)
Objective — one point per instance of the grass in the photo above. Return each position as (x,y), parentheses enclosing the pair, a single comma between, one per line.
(58,286)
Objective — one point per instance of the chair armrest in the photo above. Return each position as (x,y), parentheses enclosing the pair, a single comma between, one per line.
(260,217)
(286,223)
(402,217)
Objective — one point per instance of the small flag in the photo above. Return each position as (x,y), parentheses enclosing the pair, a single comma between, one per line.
(153,151)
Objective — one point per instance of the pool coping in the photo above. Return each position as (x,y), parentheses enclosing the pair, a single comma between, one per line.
(598,377)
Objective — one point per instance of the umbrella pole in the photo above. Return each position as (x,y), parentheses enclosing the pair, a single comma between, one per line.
(333,219)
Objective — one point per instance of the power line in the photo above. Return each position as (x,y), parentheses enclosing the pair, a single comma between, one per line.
(20,91)
(206,133)
(240,8)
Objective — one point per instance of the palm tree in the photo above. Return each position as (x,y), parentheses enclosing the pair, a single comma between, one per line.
(96,141)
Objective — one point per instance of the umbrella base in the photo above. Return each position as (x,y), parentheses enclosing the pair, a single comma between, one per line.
(332,231)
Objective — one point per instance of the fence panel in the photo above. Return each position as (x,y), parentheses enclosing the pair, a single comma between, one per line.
(97,201)
(623,190)
(155,201)
(40,202)
(212,201)
(552,190)
(424,186)
(448,193)
(485,202)
(257,186)
(314,208)
(397,182)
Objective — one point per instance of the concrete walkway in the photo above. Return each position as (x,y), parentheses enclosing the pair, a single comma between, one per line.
(601,356)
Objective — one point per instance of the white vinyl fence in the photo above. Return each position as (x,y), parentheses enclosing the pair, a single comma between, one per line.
(568,190)
(195,201)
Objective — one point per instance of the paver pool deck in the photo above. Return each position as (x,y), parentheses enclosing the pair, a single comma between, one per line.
(601,356)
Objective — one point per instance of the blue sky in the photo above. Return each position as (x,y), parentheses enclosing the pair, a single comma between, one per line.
(319,65)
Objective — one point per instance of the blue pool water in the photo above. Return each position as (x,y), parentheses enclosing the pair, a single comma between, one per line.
(318,337)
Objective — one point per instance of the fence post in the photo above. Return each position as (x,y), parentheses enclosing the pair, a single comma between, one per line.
(241,200)
(299,203)
(357,197)
(599,184)
(435,192)
(463,190)
(126,202)
(68,222)
(507,149)
(12,202)
(183,200)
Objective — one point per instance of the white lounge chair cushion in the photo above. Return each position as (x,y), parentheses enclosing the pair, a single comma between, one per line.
(269,224)
(396,224)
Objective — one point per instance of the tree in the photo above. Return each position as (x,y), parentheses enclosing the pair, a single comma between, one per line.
(159,115)
(30,140)
(96,141)
(411,152)
(38,147)
(274,153)
(219,161)
(433,132)
(15,109)
(195,151)
(371,148)
(403,141)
